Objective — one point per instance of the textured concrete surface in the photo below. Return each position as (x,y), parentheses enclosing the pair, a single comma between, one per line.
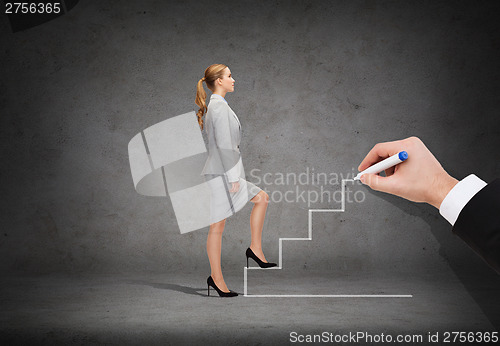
(318,83)
(174,309)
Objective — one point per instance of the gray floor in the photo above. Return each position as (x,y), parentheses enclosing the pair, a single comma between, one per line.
(174,309)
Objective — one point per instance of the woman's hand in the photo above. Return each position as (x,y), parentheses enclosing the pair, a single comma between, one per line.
(235,186)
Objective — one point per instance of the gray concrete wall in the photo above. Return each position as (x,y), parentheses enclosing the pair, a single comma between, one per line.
(318,83)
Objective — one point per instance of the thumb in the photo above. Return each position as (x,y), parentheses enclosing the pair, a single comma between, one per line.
(378,183)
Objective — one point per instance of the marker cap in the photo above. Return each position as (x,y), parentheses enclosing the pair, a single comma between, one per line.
(403,155)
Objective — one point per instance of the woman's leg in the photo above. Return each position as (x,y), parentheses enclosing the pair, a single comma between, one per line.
(214,245)
(257,222)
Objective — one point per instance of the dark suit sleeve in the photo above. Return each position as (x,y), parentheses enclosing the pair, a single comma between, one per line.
(478,224)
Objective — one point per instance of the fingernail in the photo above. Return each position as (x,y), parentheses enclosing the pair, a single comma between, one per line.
(363,179)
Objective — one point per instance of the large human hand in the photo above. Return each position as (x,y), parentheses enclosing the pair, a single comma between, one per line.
(421,178)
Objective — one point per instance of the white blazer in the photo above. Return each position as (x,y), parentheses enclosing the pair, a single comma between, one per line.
(223,130)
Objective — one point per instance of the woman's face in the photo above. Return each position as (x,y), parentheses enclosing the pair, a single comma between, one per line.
(227,81)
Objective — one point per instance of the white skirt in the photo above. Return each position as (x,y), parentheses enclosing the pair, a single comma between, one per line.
(223,203)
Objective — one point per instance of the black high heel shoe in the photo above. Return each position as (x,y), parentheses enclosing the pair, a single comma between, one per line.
(210,282)
(261,264)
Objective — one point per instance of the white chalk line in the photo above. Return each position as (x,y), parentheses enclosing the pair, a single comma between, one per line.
(280,265)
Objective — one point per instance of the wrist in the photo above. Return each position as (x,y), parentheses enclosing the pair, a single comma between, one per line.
(443,183)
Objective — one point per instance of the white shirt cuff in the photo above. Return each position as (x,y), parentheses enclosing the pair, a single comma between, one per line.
(459,196)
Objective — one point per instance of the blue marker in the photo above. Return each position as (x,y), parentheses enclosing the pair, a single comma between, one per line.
(384,164)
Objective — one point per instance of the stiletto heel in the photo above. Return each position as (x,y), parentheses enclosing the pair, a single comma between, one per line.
(261,264)
(210,282)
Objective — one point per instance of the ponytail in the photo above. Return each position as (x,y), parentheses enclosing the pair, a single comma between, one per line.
(200,100)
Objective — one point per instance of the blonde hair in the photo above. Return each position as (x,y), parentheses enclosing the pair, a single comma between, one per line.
(211,74)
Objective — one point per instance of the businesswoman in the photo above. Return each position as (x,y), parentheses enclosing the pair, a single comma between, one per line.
(225,175)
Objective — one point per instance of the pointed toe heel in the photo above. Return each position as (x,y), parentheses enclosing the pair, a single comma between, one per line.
(210,282)
(249,253)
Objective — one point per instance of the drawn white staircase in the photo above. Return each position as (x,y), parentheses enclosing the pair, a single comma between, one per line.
(280,263)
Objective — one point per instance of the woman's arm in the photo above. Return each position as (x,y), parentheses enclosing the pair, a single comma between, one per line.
(225,142)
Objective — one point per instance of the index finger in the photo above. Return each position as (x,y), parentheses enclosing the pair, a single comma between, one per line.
(379,152)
